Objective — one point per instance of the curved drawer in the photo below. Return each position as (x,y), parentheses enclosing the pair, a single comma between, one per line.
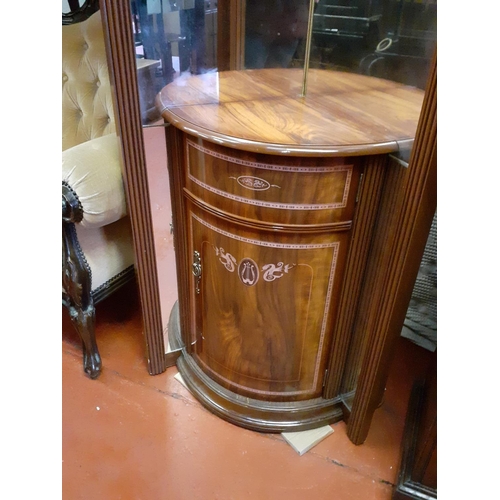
(282,190)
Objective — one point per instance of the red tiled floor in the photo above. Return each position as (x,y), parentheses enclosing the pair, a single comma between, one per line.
(129,435)
(154,140)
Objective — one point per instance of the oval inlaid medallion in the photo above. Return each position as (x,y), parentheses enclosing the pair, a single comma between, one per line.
(253,183)
(248,272)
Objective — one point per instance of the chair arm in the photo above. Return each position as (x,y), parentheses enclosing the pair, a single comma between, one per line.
(93,171)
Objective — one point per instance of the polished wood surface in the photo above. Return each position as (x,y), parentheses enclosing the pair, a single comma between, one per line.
(271,236)
(274,201)
(369,195)
(265,307)
(417,478)
(122,66)
(404,221)
(277,191)
(262,111)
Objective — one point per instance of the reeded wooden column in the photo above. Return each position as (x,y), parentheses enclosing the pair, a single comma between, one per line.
(400,237)
(118,34)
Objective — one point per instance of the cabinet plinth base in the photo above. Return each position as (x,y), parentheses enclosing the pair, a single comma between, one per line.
(253,414)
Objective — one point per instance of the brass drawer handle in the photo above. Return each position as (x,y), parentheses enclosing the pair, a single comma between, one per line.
(197,270)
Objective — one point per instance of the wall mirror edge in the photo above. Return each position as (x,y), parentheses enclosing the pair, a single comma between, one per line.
(118,36)
(119,40)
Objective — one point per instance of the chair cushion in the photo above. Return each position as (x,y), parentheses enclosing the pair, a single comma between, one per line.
(93,170)
(108,250)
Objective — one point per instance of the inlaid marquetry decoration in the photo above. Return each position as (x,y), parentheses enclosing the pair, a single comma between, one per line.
(248,270)
(254,183)
(276,197)
(335,180)
(263,291)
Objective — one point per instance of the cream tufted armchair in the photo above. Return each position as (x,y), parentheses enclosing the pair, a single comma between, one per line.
(97,244)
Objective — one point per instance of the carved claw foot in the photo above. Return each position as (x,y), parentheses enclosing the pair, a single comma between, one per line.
(91,363)
(84,321)
(77,283)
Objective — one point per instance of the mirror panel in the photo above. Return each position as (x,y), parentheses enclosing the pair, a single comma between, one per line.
(171,38)
(390,39)
(274,32)
(98,253)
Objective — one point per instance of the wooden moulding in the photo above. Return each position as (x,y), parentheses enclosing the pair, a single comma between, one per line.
(253,414)
(369,196)
(395,270)
(119,40)
(417,477)
(225,108)
(394,177)
(175,161)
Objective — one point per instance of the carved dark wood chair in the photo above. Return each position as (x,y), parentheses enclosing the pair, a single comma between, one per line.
(97,248)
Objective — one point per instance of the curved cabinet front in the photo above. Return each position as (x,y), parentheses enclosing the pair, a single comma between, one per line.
(267,240)
(272,227)
(263,306)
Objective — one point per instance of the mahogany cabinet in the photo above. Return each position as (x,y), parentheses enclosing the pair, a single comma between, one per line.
(275,198)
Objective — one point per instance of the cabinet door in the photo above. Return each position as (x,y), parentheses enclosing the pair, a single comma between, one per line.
(264,302)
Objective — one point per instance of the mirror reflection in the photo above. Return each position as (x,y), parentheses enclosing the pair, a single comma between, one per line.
(171,37)
(391,39)
(273,32)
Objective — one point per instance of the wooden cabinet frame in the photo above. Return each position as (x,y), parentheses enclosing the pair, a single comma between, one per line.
(403,221)
(117,24)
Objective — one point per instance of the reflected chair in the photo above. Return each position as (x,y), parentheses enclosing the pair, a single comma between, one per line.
(97,248)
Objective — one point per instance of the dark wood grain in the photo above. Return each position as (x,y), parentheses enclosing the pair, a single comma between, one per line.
(273,241)
(175,163)
(417,477)
(79,13)
(397,254)
(383,221)
(223,35)
(368,196)
(120,46)
(262,111)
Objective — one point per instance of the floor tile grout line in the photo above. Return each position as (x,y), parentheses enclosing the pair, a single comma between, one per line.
(373,477)
(194,403)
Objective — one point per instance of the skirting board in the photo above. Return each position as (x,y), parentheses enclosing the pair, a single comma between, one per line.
(302,441)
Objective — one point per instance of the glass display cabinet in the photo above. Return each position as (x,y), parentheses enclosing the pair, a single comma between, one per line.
(297,189)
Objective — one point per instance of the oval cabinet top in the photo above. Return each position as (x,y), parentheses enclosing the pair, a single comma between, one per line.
(262,111)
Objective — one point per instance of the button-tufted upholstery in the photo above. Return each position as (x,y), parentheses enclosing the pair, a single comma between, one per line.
(86,90)
(91,161)
(98,252)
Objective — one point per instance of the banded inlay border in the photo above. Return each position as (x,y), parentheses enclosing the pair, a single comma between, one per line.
(335,246)
(267,166)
